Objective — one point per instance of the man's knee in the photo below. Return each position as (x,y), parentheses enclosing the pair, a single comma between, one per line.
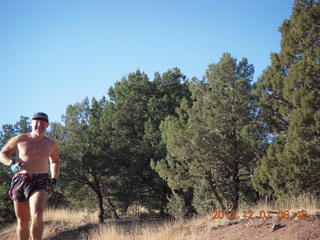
(37,217)
(23,222)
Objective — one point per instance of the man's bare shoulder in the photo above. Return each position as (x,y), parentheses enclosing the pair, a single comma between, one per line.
(24,135)
(20,137)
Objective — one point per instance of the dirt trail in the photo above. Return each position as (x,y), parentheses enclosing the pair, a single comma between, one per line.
(268,229)
(73,233)
(55,231)
(261,229)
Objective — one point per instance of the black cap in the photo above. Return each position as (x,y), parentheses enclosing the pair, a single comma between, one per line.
(40,116)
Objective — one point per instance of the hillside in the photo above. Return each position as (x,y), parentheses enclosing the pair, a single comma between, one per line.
(204,228)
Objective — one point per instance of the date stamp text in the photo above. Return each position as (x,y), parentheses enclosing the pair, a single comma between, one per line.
(250,214)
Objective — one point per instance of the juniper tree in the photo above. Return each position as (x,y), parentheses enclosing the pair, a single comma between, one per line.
(137,106)
(106,146)
(211,145)
(289,100)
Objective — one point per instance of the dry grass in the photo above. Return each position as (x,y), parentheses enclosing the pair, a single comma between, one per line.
(175,230)
(68,215)
(307,202)
(59,220)
(195,228)
(192,229)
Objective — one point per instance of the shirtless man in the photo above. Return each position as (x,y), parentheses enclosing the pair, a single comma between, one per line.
(31,182)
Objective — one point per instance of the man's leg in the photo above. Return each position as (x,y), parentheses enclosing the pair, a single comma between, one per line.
(37,203)
(22,211)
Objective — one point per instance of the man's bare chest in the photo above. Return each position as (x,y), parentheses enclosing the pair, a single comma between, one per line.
(34,148)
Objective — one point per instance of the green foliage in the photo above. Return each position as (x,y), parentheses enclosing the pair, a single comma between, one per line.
(138,106)
(202,201)
(176,206)
(106,146)
(6,207)
(212,145)
(85,158)
(289,99)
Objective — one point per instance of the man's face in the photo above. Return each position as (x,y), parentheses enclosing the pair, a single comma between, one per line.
(39,126)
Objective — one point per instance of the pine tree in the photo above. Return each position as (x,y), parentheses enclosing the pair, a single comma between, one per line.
(289,100)
(137,107)
(211,145)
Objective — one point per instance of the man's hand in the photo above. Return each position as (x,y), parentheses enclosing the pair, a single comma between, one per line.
(54,183)
(15,166)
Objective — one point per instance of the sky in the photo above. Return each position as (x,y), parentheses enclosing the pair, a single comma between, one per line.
(54,53)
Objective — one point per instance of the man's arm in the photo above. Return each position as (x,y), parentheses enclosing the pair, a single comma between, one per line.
(54,162)
(9,148)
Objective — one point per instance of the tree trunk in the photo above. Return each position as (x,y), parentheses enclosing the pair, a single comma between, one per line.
(214,191)
(101,209)
(236,188)
(112,209)
(97,189)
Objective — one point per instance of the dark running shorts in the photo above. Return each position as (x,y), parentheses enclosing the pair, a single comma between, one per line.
(24,184)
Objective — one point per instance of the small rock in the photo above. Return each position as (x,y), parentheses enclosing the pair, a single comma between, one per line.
(275,227)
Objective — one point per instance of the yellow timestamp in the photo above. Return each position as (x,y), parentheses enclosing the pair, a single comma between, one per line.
(250,214)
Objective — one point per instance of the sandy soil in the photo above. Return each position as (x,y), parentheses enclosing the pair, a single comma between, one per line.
(268,229)
(262,229)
